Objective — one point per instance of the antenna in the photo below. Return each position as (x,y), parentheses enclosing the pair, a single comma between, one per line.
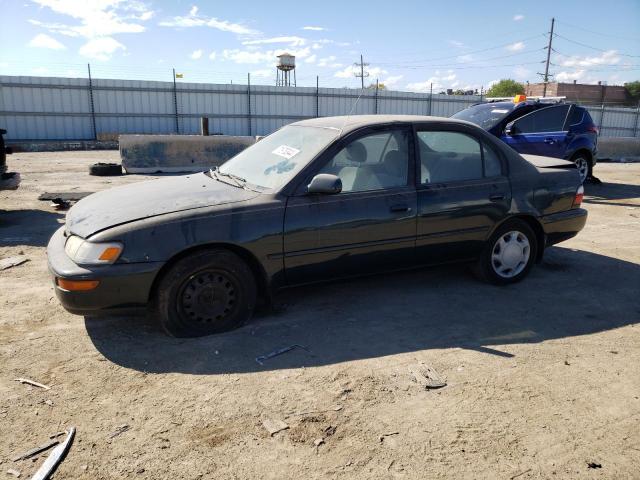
(362,73)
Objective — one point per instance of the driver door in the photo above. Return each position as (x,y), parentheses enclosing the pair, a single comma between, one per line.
(370,226)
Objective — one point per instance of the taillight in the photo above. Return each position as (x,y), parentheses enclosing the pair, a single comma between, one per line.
(578,198)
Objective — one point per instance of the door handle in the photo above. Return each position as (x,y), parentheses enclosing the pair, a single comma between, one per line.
(400,208)
(496,197)
(550,141)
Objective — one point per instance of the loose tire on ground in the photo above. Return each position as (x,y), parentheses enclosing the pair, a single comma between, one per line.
(105,169)
(501,252)
(208,292)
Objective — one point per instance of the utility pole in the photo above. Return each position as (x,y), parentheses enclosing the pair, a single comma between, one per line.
(362,73)
(546,68)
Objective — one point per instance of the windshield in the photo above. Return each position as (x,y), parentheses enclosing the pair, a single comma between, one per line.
(486,115)
(274,160)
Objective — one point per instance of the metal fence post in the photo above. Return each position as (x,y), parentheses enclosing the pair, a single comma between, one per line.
(635,129)
(93,110)
(376,107)
(249,101)
(601,119)
(175,101)
(317,96)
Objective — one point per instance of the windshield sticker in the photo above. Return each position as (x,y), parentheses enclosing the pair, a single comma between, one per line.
(286,151)
(499,111)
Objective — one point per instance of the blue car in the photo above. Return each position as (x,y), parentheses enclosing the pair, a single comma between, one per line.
(560,130)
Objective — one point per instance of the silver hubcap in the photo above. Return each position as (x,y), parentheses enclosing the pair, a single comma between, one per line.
(583,168)
(510,254)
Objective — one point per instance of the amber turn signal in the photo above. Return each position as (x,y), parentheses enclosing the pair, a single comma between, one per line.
(110,254)
(76,285)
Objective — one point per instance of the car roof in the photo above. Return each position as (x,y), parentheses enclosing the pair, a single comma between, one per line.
(348,123)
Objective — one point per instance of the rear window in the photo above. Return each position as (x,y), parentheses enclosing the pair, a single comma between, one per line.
(486,115)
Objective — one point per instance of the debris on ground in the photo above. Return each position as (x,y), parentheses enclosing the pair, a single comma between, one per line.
(520,474)
(594,465)
(119,430)
(57,434)
(426,376)
(33,383)
(274,426)
(335,408)
(14,472)
(9,262)
(63,196)
(318,441)
(275,353)
(388,434)
(60,204)
(55,457)
(36,450)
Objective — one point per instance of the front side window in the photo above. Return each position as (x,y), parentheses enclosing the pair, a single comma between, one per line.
(373,162)
(448,157)
(548,119)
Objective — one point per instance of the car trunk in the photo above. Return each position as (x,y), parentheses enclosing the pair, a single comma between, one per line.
(559,181)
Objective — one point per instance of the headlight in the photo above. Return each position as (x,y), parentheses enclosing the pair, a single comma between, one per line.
(84,252)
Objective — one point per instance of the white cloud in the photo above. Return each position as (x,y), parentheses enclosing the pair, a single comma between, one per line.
(329,61)
(440,81)
(101,48)
(391,81)
(97,21)
(456,43)
(45,41)
(260,56)
(570,76)
(213,55)
(518,17)
(610,57)
(315,29)
(196,54)
(515,47)
(193,19)
(292,41)
(311,59)
(263,73)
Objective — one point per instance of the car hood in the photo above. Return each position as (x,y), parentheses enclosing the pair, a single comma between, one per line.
(137,201)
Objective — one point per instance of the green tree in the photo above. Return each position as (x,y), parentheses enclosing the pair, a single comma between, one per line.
(372,86)
(505,88)
(634,89)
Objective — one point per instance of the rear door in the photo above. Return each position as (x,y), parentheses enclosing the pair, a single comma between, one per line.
(370,226)
(463,192)
(542,132)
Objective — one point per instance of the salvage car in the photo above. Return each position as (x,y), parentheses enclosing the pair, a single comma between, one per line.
(317,200)
(542,126)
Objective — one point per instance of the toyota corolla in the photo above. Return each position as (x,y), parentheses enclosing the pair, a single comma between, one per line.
(317,200)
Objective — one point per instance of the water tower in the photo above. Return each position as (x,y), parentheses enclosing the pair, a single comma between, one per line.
(286,65)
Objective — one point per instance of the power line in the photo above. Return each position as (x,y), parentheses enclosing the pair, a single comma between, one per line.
(443,65)
(598,33)
(595,48)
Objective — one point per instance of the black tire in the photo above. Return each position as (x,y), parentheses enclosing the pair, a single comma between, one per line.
(486,266)
(209,292)
(105,169)
(583,164)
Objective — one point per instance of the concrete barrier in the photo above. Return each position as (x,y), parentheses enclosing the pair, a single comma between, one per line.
(178,153)
(619,149)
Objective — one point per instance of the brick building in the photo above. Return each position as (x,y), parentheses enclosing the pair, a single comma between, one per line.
(583,93)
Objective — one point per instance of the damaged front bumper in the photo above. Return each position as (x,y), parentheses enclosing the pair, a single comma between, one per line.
(120,287)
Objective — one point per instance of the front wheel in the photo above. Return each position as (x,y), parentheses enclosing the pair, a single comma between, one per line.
(509,254)
(204,293)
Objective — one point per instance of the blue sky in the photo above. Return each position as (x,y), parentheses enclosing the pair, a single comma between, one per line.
(408,44)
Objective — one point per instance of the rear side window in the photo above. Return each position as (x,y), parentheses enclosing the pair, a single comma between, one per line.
(492,164)
(448,157)
(576,115)
(548,119)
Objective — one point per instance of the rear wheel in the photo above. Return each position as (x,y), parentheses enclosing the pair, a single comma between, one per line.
(205,293)
(583,164)
(509,254)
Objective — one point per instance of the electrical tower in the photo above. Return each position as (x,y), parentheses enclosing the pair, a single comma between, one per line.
(362,73)
(545,75)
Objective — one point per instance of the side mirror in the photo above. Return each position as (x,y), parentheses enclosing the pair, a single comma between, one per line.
(325,183)
(511,129)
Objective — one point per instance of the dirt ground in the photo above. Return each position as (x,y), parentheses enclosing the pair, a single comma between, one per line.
(543,378)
